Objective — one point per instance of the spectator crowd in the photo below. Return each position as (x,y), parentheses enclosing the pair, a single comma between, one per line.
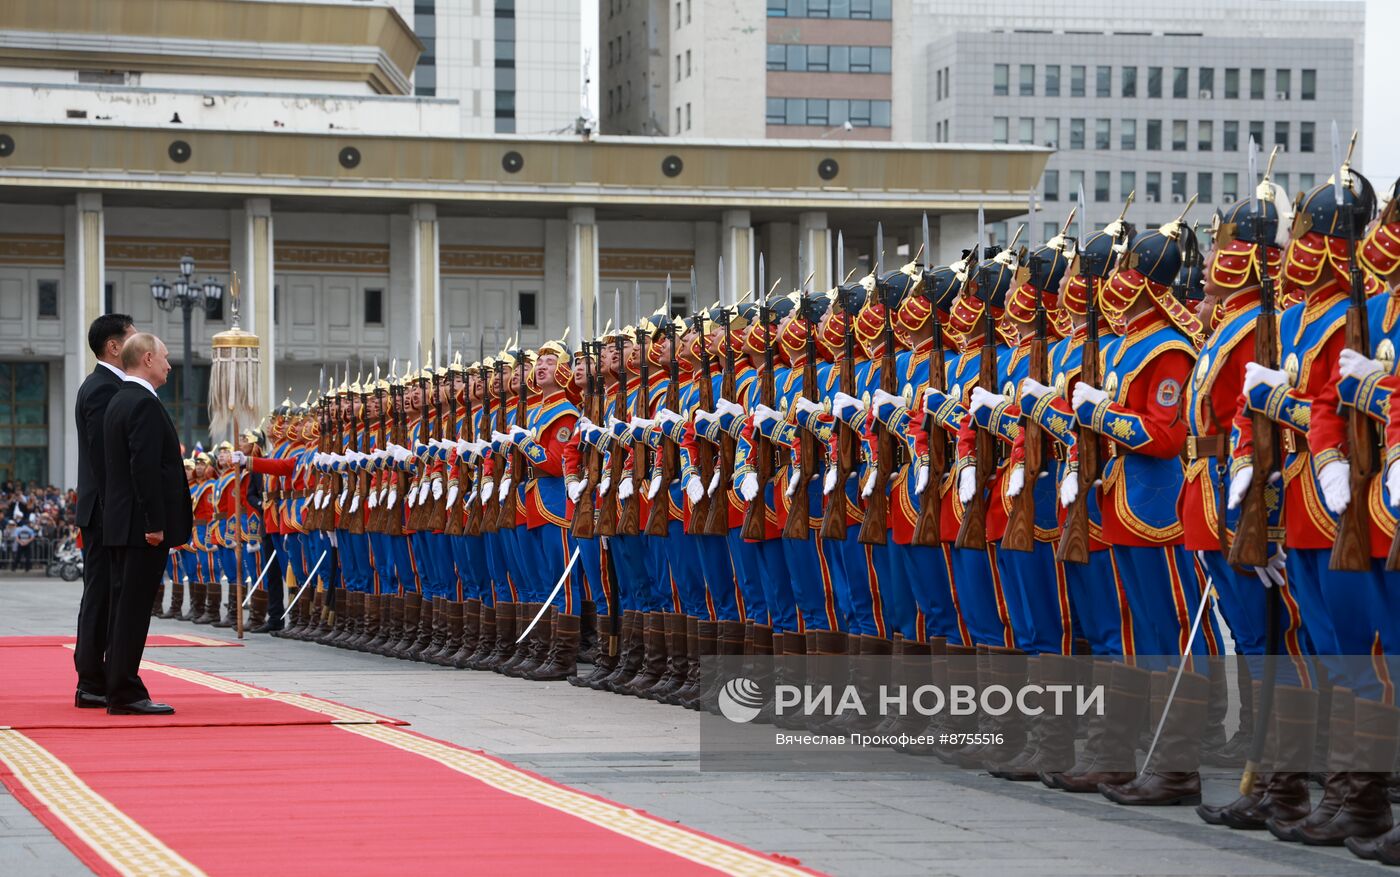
(34,520)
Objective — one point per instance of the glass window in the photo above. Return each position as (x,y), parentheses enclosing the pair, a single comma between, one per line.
(1025,130)
(1306,182)
(1076,133)
(1001,79)
(1103,134)
(777,57)
(48,299)
(1154,81)
(374,307)
(1052,185)
(24,419)
(1282,180)
(841,59)
(1204,186)
(796,111)
(1178,135)
(1127,138)
(816,59)
(1283,84)
(1178,187)
(1205,135)
(1076,183)
(776,111)
(1256,131)
(797,58)
(1102,181)
(880,113)
(1281,135)
(1027,81)
(838,111)
(1256,83)
(1232,83)
(1309,85)
(1180,80)
(880,59)
(1052,133)
(1229,187)
(1103,81)
(172,394)
(1205,85)
(687,115)
(1231,140)
(1154,186)
(1127,184)
(999,129)
(817,112)
(1154,134)
(1129,82)
(529,317)
(1307,134)
(1052,80)
(1076,80)
(1048,230)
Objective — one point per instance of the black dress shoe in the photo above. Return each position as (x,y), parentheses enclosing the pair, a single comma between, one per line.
(84,701)
(145,707)
(269,626)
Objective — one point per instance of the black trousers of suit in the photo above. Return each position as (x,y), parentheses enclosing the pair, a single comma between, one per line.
(90,653)
(136,573)
(276,603)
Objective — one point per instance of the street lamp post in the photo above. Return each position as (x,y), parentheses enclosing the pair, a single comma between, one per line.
(186,294)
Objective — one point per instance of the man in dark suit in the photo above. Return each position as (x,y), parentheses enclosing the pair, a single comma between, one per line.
(105,338)
(145,513)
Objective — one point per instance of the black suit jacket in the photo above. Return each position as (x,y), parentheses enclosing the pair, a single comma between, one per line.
(93,397)
(145,489)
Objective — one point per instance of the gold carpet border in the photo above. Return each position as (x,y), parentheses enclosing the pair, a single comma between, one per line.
(614,817)
(200,640)
(339,713)
(97,822)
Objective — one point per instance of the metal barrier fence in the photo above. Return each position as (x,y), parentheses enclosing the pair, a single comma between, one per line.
(15,559)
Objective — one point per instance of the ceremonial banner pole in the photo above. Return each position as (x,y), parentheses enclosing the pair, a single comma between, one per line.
(233,388)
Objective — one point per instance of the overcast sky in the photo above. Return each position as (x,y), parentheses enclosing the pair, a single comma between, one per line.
(1380,133)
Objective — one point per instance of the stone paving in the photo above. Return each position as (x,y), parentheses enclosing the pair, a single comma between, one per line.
(642,754)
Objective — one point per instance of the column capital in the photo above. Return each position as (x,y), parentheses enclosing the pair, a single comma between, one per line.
(583,215)
(89,202)
(258,207)
(736,219)
(423,212)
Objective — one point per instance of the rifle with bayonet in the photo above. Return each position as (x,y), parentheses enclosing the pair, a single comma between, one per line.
(798,525)
(455,523)
(629,521)
(668,464)
(700,524)
(1351,549)
(359,482)
(928,526)
(874,529)
(718,520)
(582,524)
(475,512)
(607,524)
(377,516)
(973,531)
(435,516)
(754,527)
(519,464)
(847,442)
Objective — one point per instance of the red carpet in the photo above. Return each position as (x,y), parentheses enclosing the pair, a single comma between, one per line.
(184,640)
(315,798)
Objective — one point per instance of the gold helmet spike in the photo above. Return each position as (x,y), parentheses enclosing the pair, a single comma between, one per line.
(1178,226)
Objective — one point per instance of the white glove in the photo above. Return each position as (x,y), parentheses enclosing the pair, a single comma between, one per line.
(805,405)
(1256,374)
(1239,485)
(762,414)
(471,497)
(666,416)
(724,406)
(354,503)
(437,488)
(703,417)
(503,438)
(423,491)
(1272,573)
(982,399)
(316,500)
(1335,481)
(393,498)
(714,483)
(605,485)
(654,486)
(793,482)
(967,483)
(880,397)
(841,402)
(452,492)
(520,433)
(748,487)
(1069,489)
(374,499)
(505,487)
(1357,365)
(1016,481)
(1032,387)
(694,489)
(625,489)
(239,458)
(343,494)
(1083,393)
(642,423)
(576,490)
(928,403)
(921,480)
(869,486)
(1392,482)
(582,423)
(486,490)
(829,482)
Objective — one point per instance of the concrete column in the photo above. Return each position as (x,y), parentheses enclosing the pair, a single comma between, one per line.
(582,286)
(737,248)
(554,313)
(251,252)
(707,250)
(427,291)
(956,232)
(85,281)
(816,250)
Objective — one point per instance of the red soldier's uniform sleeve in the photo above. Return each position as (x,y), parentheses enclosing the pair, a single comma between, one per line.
(283,467)
(1158,428)
(557,445)
(917,434)
(1392,427)
(1327,425)
(967,436)
(570,455)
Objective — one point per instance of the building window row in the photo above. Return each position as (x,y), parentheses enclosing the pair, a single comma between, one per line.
(1251,83)
(826,112)
(1100,136)
(872,10)
(829,59)
(944,83)
(1149,185)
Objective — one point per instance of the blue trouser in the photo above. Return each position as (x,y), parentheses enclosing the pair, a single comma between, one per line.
(980,597)
(494,543)
(587,580)
(720,576)
(927,571)
(1163,590)
(552,546)
(878,608)
(354,559)
(687,571)
(1095,604)
(189,566)
(445,578)
(630,564)
(382,563)
(1343,613)
(658,562)
(811,582)
(1037,600)
(748,572)
(777,585)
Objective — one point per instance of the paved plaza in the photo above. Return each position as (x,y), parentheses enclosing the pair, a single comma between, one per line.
(645,755)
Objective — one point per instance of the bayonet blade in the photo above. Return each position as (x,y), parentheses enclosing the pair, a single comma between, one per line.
(762,282)
(1084,225)
(694,301)
(981,234)
(928,248)
(1030,218)
(617,307)
(1337,165)
(1252,170)
(879,248)
(637,302)
(719,282)
(668,296)
(840,258)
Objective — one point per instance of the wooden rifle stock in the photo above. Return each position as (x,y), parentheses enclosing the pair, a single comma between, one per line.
(474,509)
(755,527)
(972,533)
(1351,550)
(874,528)
(928,527)
(435,516)
(582,523)
(700,523)
(718,520)
(629,521)
(519,466)
(1020,522)
(834,515)
(1251,544)
(799,523)
(659,516)
(1074,539)
(607,524)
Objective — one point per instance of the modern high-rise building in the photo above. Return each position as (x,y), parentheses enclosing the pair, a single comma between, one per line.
(822,69)
(1160,99)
